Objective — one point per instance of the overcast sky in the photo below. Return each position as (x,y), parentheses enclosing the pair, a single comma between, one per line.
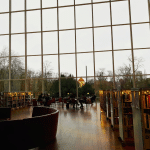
(84,37)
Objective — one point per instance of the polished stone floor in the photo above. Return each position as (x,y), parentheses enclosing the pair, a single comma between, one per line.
(80,129)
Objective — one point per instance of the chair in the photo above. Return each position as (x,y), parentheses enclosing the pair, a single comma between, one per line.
(53,101)
(74,102)
(49,103)
(65,101)
(88,101)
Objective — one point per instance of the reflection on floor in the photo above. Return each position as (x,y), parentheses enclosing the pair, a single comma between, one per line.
(84,129)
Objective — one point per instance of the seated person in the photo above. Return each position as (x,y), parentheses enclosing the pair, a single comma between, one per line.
(93,98)
(46,99)
(72,100)
(40,98)
(82,100)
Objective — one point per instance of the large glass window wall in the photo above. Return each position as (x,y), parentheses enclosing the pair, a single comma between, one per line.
(45,45)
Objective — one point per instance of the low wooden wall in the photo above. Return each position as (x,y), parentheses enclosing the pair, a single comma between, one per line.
(31,132)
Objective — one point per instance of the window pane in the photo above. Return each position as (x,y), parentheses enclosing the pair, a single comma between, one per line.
(99,0)
(31,4)
(66,2)
(4,44)
(33,21)
(121,37)
(120,12)
(67,41)
(50,66)
(101,14)
(33,43)
(104,68)
(66,18)
(84,40)
(52,87)
(4,86)
(49,85)
(17,22)
(17,86)
(67,64)
(124,82)
(34,86)
(103,83)
(142,81)
(141,35)
(17,5)
(4,6)
(50,43)
(18,45)
(82,1)
(141,61)
(4,23)
(139,10)
(102,38)
(17,67)
(83,16)
(4,66)
(49,3)
(123,63)
(84,60)
(34,66)
(50,19)
(87,89)
(124,67)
